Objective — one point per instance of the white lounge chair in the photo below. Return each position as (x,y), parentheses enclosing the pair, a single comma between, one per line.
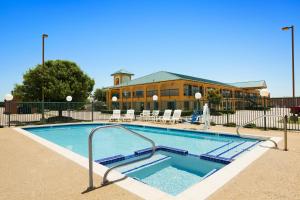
(154,115)
(145,115)
(116,116)
(166,117)
(129,116)
(176,116)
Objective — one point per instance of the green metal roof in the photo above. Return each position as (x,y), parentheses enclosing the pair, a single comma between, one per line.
(122,71)
(167,76)
(250,84)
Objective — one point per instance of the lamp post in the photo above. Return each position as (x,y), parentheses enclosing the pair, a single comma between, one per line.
(125,94)
(43,66)
(198,96)
(8,98)
(264,93)
(114,100)
(155,98)
(293,68)
(92,100)
(69,99)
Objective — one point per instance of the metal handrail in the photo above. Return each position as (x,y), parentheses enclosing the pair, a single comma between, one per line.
(285,128)
(90,140)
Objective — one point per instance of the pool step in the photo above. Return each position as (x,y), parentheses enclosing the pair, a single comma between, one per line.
(156,158)
(110,160)
(226,153)
(161,148)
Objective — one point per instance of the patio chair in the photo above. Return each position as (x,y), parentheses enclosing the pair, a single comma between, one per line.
(166,117)
(176,116)
(129,116)
(116,116)
(145,115)
(154,115)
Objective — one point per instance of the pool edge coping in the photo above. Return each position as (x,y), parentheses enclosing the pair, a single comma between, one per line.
(200,190)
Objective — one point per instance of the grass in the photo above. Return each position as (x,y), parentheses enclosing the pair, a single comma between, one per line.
(291,120)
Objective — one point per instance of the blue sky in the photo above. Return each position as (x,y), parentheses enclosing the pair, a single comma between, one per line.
(221,40)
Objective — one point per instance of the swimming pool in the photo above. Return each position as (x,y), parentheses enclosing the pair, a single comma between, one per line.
(183,157)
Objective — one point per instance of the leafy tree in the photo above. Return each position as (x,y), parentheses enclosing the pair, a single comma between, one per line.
(214,97)
(100,99)
(100,95)
(59,78)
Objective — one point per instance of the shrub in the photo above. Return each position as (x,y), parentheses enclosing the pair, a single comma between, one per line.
(213,123)
(251,125)
(230,124)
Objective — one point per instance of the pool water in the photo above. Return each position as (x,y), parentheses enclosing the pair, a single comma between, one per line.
(114,141)
(173,174)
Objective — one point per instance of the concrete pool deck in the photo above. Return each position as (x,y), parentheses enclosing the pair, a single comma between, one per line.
(31,171)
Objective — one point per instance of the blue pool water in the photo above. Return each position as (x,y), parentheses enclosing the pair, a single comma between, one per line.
(113,141)
(172,175)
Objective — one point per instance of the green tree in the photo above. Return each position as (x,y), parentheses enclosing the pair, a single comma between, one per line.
(214,97)
(60,78)
(100,95)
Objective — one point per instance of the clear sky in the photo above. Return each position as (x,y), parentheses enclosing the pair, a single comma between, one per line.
(221,40)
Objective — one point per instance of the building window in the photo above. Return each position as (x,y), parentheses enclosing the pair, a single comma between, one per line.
(186,105)
(115,95)
(117,81)
(187,90)
(138,94)
(190,90)
(171,105)
(169,92)
(126,94)
(150,93)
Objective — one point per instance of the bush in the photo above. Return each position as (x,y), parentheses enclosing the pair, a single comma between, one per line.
(251,125)
(213,123)
(230,124)
(293,118)
(274,128)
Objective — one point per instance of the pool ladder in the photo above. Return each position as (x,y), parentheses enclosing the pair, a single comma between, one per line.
(284,129)
(90,140)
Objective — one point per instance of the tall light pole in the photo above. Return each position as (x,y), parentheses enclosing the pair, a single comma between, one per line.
(43,68)
(293,69)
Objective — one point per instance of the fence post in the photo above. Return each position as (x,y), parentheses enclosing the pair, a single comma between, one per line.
(265,119)
(92,111)
(285,132)
(227,110)
(9,110)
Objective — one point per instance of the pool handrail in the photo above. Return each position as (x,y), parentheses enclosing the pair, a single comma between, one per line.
(90,142)
(284,129)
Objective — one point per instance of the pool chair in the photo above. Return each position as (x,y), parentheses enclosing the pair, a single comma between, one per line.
(195,118)
(116,116)
(166,117)
(154,115)
(145,115)
(176,116)
(129,116)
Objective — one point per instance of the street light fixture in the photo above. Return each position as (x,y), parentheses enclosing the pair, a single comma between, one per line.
(155,98)
(198,96)
(69,98)
(43,65)
(293,63)
(114,99)
(9,98)
(264,93)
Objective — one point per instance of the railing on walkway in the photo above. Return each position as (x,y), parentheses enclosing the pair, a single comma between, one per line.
(90,142)
(234,111)
(285,120)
